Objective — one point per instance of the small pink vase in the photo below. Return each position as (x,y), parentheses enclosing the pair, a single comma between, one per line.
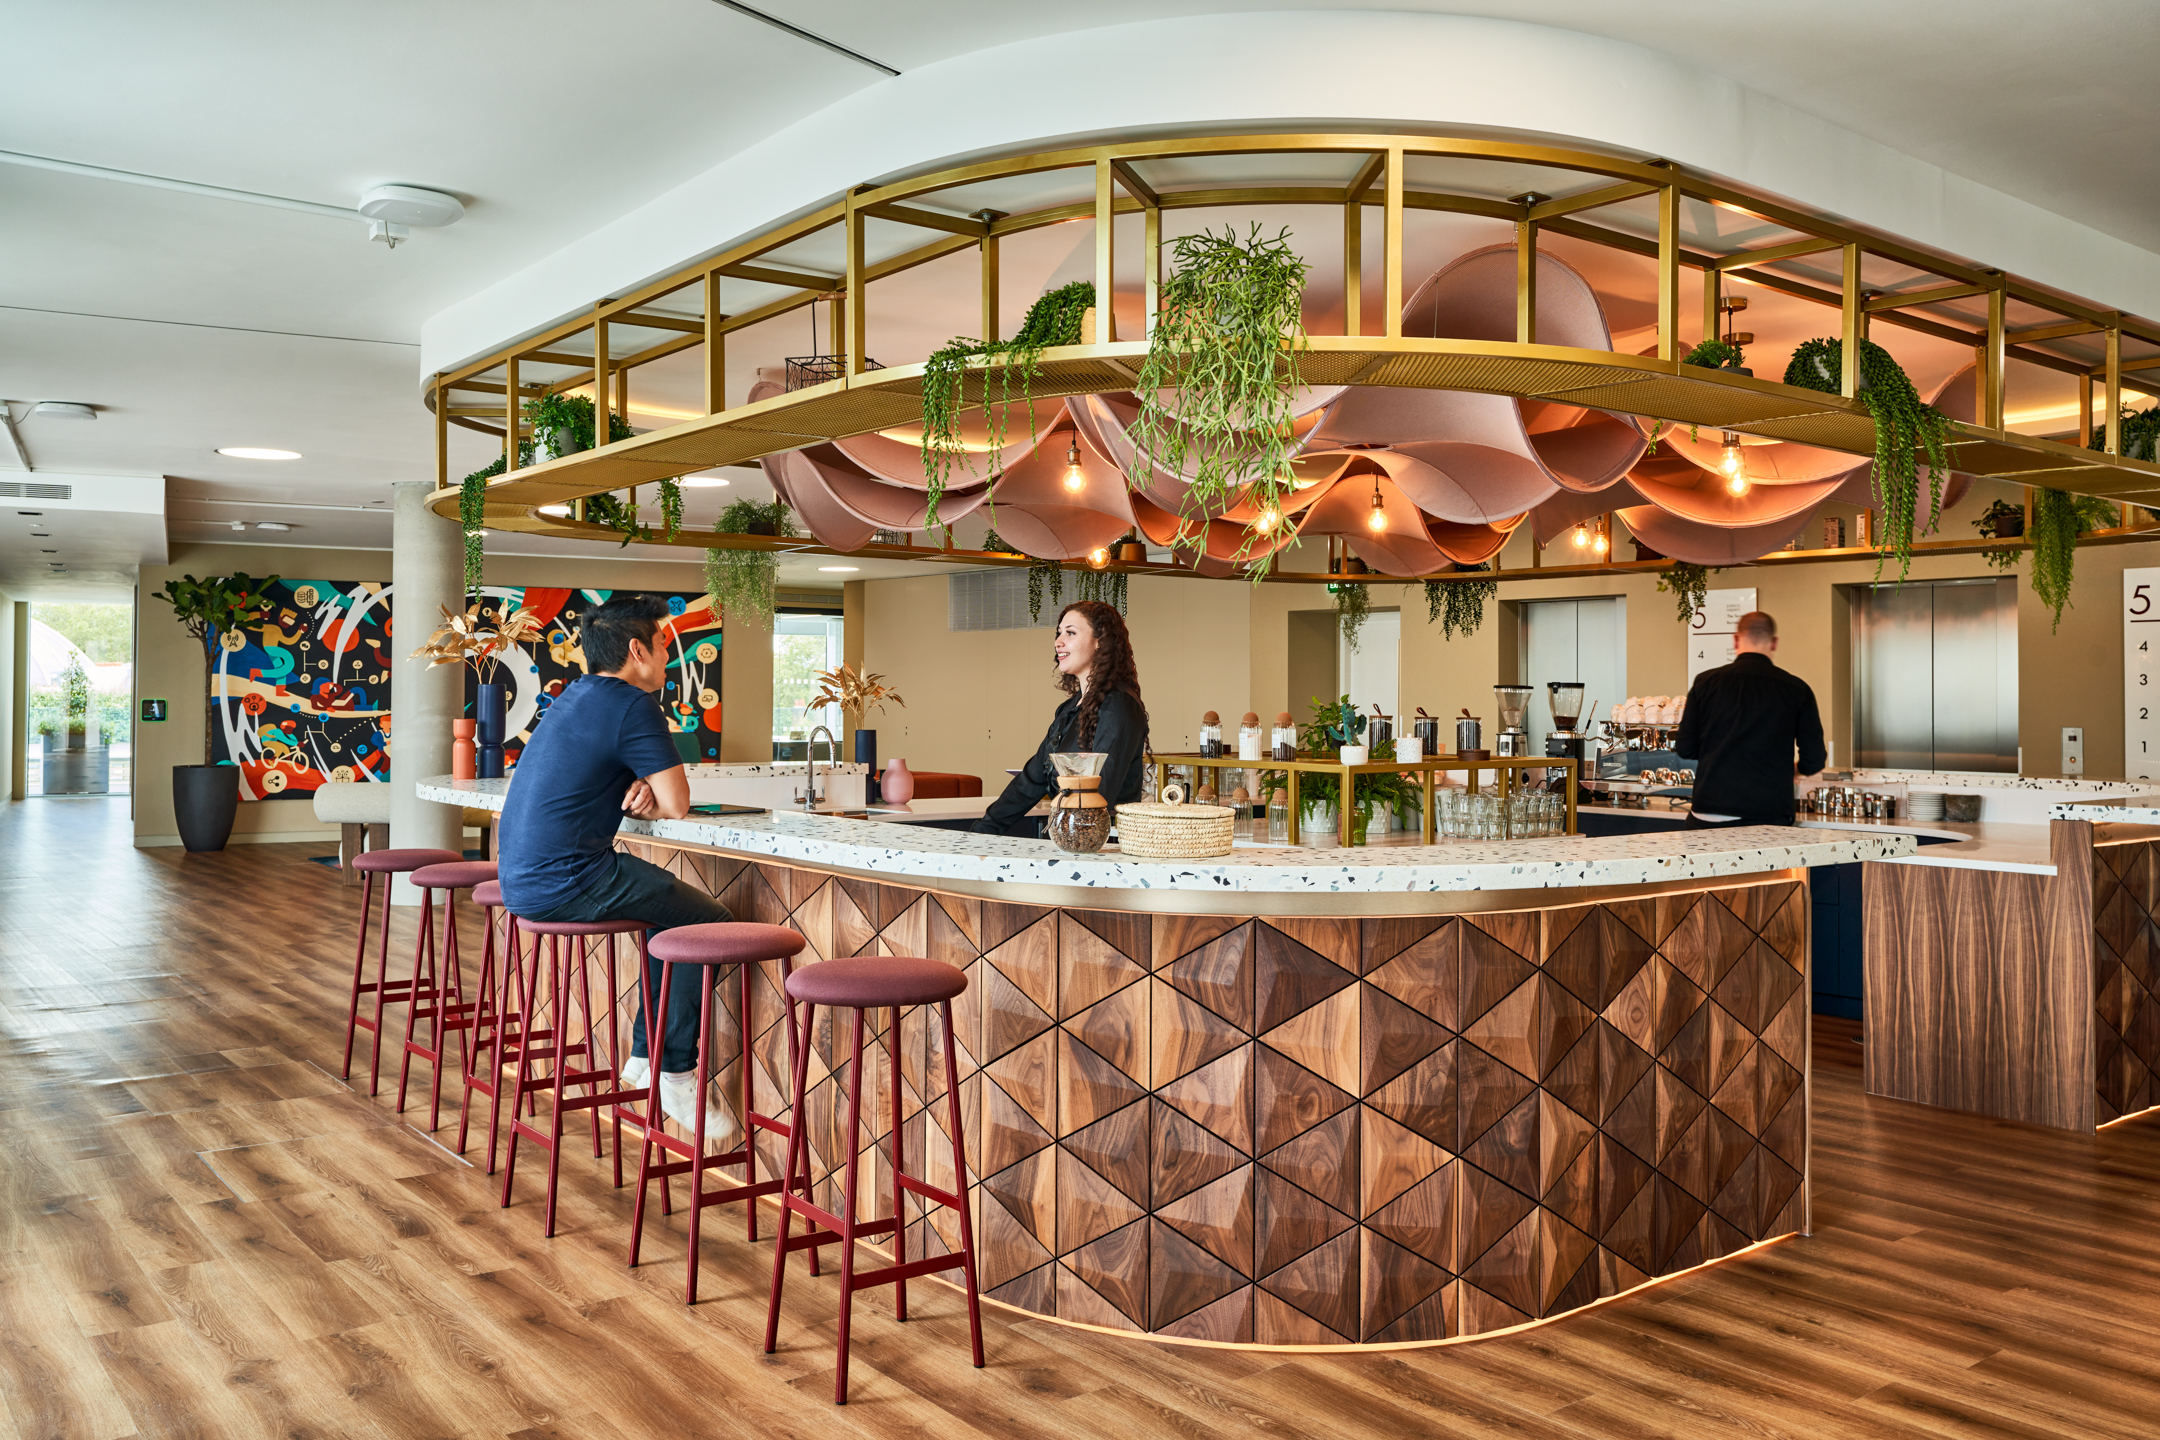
(898,784)
(464,761)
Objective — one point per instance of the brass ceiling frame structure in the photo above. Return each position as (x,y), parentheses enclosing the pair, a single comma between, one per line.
(1657,387)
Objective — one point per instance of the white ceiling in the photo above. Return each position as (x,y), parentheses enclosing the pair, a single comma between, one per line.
(195,322)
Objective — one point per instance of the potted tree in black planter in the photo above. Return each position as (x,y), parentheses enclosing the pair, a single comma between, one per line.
(207,796)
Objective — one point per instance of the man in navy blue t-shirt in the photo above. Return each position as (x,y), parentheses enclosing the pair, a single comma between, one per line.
(604,751)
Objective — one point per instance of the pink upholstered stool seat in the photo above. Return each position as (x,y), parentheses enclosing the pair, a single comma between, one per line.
(397,862)
(455,874)
(581,927)
(488,892)
(876,983)
(734,943)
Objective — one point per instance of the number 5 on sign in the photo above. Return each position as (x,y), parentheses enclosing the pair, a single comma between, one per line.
(2141,693)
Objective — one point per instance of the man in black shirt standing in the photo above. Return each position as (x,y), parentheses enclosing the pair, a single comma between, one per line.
(1743,725)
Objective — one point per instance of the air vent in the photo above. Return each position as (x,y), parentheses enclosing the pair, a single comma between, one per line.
(993,600)
(35,490)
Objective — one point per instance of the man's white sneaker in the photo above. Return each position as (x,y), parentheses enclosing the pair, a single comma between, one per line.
(636,1073)
(679,1096)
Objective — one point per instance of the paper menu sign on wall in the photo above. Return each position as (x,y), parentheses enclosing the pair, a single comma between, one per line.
(2141,674)
(1710,630)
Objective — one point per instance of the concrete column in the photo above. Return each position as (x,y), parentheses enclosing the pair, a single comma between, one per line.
(17,728)
(426,574)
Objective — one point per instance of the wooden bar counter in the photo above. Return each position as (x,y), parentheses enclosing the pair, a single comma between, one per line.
(1313,1097)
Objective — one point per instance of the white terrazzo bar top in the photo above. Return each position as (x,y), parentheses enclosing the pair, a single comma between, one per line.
(1558,863)
(2102,812)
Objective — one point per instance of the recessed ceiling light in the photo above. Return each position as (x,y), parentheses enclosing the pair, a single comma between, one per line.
(554,510)
(703,482)
(838,569)
(272,525)
(256,452)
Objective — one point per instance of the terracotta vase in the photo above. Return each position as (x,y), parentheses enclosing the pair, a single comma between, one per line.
(898,786)
(464,756)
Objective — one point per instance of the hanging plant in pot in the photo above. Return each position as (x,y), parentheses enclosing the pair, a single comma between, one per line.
(1458,606)
(2058,519)
(475,640)
(1690,584)
(1903,423)
(741,581)
(206,797)
(2001,521)
(1353,606)
(1055,319)
(1221,370)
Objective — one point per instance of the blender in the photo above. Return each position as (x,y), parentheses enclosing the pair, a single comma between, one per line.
(1513,702)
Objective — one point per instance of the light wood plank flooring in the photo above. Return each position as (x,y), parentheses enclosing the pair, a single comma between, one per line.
(203,1232)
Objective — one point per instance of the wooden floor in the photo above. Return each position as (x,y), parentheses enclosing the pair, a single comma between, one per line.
(204,1233)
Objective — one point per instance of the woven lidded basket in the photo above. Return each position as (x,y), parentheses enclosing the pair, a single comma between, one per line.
(1154,831)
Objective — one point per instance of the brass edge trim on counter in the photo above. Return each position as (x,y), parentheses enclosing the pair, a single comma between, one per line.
(1312,904)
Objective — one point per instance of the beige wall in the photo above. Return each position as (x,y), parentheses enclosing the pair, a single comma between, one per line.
(978,701)
(169,665)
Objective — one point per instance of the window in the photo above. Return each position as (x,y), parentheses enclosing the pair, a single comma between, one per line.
(804,644)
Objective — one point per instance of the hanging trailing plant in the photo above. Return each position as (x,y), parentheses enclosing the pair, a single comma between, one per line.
(1689,582)
(563,425)
(1227,337)
(1107,586)
(1353,606)
(1903,423)
(1458,606)
(1046,581)
(2140,434)
(740,582)
(2058,519)
(472,513)
(2001,521)
(1052,320)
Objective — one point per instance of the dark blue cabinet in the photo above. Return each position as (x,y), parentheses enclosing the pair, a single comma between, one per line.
(1836,893)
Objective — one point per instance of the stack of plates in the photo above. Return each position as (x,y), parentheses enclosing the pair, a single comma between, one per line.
(1924,805)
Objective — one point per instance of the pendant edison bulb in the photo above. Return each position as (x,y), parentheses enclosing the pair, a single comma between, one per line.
(1075,477)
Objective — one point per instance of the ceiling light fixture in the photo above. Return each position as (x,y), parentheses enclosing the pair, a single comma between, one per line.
(554,510)
(1075,477)
(702,482)
(64,410)
(256,452)
(838,569)
(1734,464)
(1581,536)
(1267,521)
(276,527)
(1598,543)
(1376,519)
(1098,557)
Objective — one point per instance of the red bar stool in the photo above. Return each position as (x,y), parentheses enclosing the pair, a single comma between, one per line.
(438,995)
(497,1019)
(568,981)
(710,947)
(370,864)
(861,984)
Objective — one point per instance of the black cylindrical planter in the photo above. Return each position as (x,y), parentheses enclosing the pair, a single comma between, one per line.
(489,711)
(866,754)
(205,799)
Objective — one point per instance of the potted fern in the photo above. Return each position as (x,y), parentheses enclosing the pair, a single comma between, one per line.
(206,797)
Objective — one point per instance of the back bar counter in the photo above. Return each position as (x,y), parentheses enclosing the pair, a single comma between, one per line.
(1298,1097)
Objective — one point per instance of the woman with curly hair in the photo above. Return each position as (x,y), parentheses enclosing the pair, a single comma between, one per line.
(1102,712)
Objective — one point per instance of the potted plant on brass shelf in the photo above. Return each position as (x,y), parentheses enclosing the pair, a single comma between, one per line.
(1055,319)
(741,581)
(207,796)
(478,639)
(1217,387)
(2001,521)
(859,695)
(1903,423)
(1336,723)
(2059,517)
(1718,355)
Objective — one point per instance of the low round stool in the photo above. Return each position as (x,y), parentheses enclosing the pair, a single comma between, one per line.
(564,971)
(711,948)
(864,984)
(436,992)
(386,863)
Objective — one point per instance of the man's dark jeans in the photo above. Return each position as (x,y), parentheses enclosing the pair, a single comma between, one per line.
(637,889)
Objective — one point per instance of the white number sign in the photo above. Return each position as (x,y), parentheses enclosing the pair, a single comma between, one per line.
(1710,629)
(2141,675)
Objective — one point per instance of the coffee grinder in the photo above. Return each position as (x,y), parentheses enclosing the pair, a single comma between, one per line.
(1566,699)
(1513,702)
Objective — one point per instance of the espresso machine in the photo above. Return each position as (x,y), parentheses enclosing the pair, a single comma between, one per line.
(1566,699)
(1514,703)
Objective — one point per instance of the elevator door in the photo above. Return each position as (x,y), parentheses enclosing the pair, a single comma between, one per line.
(1935,675)
(1583,640)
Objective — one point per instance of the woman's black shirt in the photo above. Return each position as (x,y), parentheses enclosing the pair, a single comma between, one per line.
(1120,733)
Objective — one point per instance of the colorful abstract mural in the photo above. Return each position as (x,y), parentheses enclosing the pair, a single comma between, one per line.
(303,695)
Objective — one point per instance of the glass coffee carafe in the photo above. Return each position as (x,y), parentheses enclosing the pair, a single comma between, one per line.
(1079,816)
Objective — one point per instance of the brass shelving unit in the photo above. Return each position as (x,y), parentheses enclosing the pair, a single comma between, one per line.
(1507,771)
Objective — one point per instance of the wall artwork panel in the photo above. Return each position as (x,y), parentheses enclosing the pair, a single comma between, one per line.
(303,695)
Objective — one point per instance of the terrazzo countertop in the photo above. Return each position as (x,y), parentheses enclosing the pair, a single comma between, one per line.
(2103,812)
(1558,863)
